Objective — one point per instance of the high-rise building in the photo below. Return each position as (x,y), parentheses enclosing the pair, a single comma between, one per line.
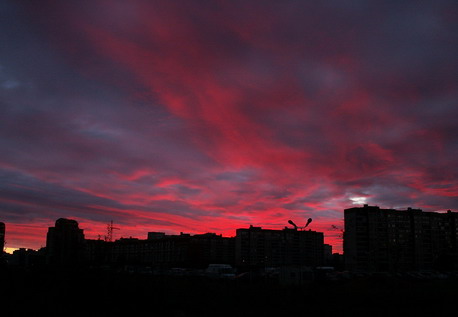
(65,243)
(257,247)
(378,239)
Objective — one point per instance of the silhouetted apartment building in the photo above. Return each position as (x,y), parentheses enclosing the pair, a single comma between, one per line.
(252,247)
(378,239)
(27,258)
(163,251)
(123,251)
(98,252)
(130,251)
(65,243)
(257,247)
(327,253)
(186,250)
(156,235)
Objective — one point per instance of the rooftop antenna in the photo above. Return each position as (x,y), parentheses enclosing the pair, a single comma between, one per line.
(110,228)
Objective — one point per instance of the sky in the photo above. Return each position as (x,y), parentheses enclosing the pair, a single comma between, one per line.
(212,115)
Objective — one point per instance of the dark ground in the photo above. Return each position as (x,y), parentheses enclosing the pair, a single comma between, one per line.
(100,293)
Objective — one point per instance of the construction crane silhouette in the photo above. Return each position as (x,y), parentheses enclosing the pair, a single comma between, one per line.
(300,228)
(341,234)
(110,228)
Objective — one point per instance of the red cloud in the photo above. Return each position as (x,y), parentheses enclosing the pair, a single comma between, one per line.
(284,111)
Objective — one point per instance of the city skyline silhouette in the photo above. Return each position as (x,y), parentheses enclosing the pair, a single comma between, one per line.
(108,233)
(400,261)
(374,239)
(165,158)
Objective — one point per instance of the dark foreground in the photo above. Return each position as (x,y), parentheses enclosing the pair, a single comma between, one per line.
(99,293)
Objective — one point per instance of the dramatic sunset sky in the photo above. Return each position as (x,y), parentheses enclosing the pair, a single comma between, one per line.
(211,115)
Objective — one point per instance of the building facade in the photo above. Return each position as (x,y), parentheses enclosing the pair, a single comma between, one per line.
(163,251)
(65,243)
(197,251)
(257,247)
(251,248)
(378,239)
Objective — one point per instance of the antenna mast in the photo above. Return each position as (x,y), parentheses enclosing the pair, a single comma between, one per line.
(110,228)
